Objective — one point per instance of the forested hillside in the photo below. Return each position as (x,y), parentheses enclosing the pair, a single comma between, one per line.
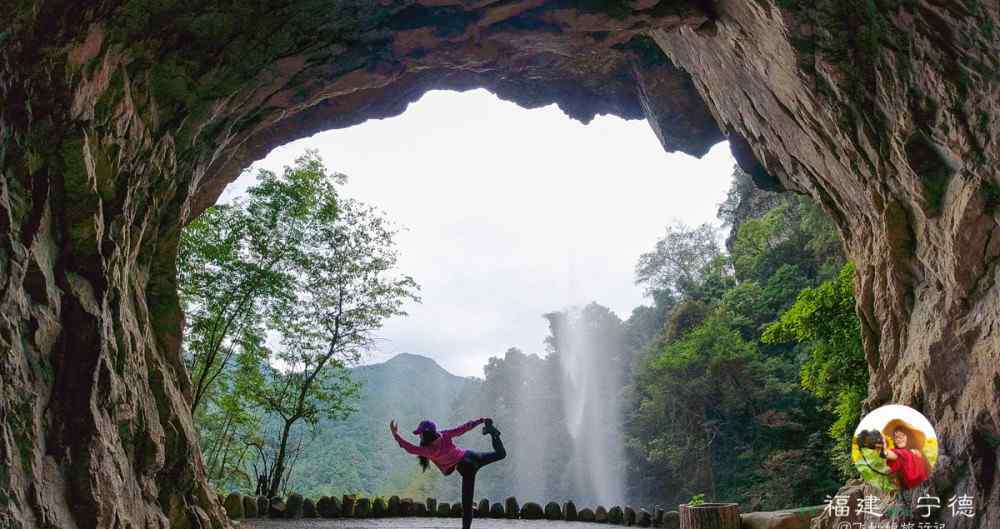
(724,401)
(357,454)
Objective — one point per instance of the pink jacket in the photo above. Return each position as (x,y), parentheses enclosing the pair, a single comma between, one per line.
(442,451)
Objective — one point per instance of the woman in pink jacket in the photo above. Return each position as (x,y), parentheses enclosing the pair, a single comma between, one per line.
(438,447)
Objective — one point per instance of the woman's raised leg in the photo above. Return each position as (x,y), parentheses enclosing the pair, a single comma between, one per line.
(498,453)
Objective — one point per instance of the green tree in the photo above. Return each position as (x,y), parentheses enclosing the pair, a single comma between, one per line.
(347,289)
(679,259)
(236,264)
(823,320)
(690,394)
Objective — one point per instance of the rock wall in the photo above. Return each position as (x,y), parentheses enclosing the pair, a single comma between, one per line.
(887,113)
(122,119)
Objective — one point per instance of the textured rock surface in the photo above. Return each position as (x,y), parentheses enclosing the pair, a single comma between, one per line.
(890,119)
(328,507)
(553,511)
(791,519)
(532,511)
(249,507)
(363,508)
(511,508)
(601,514)
(309,509)
(671,520)
(294,506)
(616,515)
(122,119)
(234,506)
(569,510)
(277,508)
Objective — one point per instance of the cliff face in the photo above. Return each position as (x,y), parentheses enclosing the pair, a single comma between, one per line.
(120,120)
(890,119)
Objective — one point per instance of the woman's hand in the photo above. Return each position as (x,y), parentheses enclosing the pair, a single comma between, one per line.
(393,428)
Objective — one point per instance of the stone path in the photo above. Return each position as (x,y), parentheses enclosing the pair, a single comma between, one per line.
(413,523)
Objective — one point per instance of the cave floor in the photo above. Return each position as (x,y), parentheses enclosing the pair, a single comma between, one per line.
(411,523)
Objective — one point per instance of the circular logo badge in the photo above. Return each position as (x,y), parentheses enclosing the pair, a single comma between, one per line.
(894,448)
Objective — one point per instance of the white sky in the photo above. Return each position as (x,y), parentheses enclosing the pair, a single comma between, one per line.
(510,213)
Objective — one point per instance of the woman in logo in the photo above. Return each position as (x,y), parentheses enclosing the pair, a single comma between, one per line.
(905,458)
(438,447)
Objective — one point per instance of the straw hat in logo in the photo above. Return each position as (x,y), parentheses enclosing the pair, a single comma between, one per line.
(916,439)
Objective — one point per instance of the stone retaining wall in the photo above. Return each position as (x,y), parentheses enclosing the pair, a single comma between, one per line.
(379,507)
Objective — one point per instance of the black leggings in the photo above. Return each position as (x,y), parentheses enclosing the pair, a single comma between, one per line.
(467,468)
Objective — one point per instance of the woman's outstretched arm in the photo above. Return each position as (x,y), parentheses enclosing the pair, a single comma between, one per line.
(406,445)
(459,430)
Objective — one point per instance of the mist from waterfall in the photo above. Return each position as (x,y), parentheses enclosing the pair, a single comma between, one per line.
(560,414)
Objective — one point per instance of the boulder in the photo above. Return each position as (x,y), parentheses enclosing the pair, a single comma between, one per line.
(379,508)
(395,508)
(787,519)
(629,515)
(363,508)
(249,507)
(616,516)
(234,506)
(347,506)
(510,507)
(309,509)
(406,507)
(444,510)
(432,506)
(276,508)
(601,514)
(586,515)
(294,503)
(645,519)
(532,511)
(496,510)
(553,511)
(328,507)
(484,508)
(671,520)
(262,506)
(569,511)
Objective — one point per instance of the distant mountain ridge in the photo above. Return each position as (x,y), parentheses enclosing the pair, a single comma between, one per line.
(358,455)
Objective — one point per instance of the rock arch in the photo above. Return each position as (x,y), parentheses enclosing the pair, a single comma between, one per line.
(122,119)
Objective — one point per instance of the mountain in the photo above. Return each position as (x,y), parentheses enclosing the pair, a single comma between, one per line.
(358,454)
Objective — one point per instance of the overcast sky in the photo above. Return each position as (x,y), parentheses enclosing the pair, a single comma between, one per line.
(509,213)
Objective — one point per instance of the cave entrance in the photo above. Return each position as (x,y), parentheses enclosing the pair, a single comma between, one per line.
(122,121)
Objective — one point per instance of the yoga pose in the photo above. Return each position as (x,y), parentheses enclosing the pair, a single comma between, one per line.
(439,448)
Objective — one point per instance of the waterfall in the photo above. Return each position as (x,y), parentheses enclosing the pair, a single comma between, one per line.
(591,398)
